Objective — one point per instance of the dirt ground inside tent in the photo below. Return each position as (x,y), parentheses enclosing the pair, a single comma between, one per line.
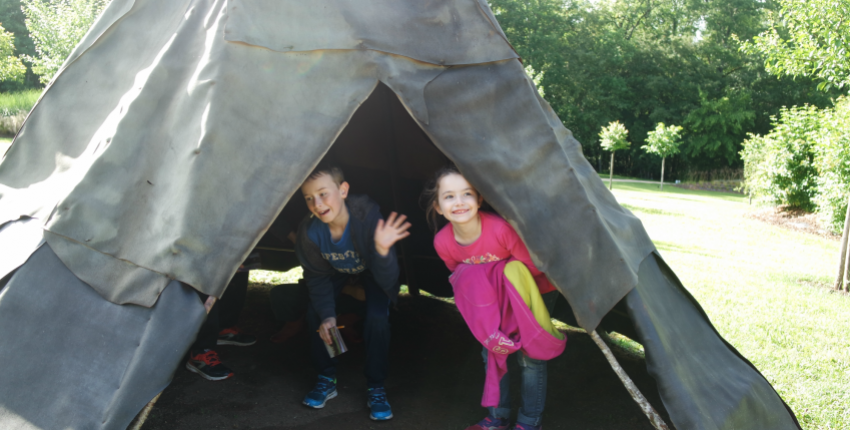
(436,380)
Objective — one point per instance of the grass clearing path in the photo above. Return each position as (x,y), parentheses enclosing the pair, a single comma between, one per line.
(765,289)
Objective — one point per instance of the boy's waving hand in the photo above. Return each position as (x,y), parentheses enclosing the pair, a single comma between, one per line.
(389,232)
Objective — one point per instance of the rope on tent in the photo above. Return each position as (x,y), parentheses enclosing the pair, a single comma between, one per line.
(647,408)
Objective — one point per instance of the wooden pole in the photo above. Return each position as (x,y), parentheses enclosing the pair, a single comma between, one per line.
(647,408)
(140,419)
(611,171)
(842,257)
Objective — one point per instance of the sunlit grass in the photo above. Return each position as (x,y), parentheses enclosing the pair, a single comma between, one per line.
(763,287)
(5,142)
(267,277)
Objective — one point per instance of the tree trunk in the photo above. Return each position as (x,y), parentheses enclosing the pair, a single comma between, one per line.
(842,253)
(662,174)
(611,172)
(847,272)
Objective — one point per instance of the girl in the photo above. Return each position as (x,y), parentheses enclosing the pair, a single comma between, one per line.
(473,237)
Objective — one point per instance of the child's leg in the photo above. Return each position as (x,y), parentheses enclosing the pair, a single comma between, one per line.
(376,332)
(533,389)
(322,361)
(504,409)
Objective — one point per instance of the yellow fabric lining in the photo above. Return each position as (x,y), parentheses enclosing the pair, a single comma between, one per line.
(521,278)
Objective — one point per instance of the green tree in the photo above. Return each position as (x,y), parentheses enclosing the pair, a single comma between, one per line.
(12,19)
(11,68)
(613,137)
(809,38)
(56,26)
(645,62)
(664,141)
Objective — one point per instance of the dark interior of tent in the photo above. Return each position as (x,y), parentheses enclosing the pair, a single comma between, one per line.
(386,155)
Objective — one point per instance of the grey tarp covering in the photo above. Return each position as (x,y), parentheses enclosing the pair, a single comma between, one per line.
(72,360)
(20,238)
(132,149)
(453,32)
(164,150)
(704,382)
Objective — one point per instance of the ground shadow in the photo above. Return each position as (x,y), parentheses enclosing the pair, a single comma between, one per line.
(436,381)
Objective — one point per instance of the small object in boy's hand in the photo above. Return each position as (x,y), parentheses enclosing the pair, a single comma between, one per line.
(339,326)
(337,345)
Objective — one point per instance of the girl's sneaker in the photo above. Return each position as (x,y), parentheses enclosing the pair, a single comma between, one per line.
(490,423)
(522,426)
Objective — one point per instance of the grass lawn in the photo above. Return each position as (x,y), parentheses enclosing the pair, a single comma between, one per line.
(763,287)
(604,175)
(21,101)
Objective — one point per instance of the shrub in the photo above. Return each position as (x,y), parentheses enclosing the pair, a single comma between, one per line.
(779,167)
(803,162)
(832,161)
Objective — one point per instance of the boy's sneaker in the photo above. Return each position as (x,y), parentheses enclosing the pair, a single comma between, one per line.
(522,426)
(232,336)
(379,408)
(490,423)
(207,364)
(324,390)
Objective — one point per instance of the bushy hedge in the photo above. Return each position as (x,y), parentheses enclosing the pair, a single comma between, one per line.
(803,162)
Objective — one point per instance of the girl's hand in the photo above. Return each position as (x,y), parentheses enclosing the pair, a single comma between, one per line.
(389,232)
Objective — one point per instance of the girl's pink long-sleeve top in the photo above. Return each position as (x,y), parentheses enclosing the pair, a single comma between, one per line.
(498,241)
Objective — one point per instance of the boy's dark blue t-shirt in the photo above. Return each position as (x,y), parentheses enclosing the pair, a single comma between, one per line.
(341,254)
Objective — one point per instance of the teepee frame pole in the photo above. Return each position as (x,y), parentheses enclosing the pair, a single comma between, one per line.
(140,419)
(638,397)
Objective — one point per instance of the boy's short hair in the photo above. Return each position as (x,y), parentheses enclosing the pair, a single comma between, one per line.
(327,169)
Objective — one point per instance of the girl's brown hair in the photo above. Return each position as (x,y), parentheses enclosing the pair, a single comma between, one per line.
(428,198)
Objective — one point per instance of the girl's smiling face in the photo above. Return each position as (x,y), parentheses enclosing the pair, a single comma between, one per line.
(457,200)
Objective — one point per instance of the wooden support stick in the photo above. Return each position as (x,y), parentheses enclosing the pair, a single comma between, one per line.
(143,415)
(647,408)
(842,254)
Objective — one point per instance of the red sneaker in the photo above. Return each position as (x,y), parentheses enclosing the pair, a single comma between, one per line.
(208,366)
(232,336)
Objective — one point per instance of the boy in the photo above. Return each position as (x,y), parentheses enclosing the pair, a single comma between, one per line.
(346,236)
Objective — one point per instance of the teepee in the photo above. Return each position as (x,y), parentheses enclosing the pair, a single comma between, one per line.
(178,130)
